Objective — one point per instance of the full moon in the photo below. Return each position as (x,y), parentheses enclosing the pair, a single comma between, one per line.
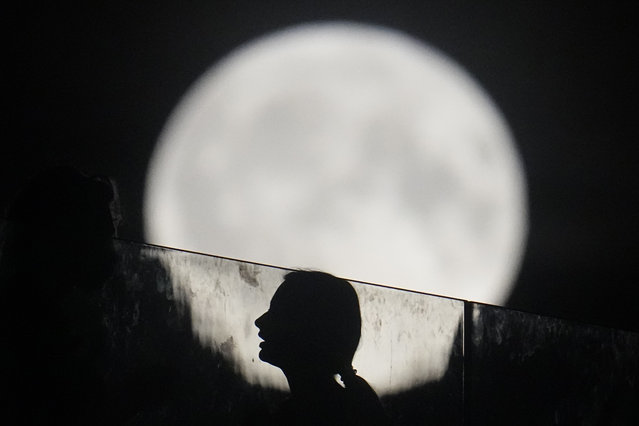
(348,148)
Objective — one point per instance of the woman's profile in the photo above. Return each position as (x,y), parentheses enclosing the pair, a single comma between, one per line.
(311,332)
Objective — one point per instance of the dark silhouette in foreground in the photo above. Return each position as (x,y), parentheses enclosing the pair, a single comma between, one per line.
(311,332)
(57,252)
(93,334)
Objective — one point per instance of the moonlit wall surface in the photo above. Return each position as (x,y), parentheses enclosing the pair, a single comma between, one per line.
(185,351)
(410,349)
(348,148)
(524,368)
(414,333)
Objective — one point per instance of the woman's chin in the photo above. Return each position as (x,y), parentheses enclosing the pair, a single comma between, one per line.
(265,353)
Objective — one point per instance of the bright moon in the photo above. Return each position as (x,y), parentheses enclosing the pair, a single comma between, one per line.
(347,148)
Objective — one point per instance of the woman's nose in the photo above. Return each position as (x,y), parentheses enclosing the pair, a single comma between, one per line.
(260,321)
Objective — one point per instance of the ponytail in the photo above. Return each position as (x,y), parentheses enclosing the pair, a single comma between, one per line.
(363,398)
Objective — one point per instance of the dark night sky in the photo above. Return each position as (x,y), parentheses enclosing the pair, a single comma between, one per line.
(92,87)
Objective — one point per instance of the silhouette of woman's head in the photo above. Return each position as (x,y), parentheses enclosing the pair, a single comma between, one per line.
(313,323)
(311,332)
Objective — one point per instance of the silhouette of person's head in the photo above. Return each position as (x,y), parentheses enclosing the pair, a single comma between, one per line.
(311,332)
(313,323)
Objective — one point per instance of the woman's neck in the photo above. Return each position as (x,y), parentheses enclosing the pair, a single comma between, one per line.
(313,384)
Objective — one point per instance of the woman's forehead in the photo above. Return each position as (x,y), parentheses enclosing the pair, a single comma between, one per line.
(290,295)
(283,294)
